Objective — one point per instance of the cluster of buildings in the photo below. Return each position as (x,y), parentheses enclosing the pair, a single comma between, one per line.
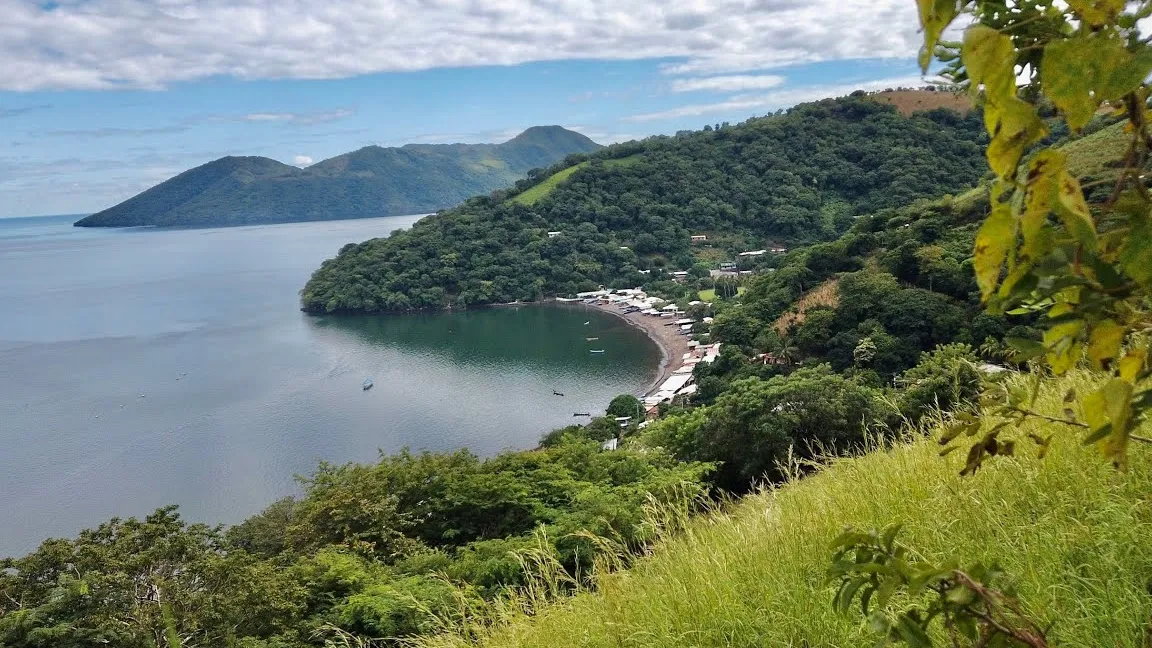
(681,383)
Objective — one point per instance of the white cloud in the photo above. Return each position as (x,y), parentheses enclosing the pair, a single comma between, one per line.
(749,104)
(149,43)
(302,161)
(735,83)
(297,118)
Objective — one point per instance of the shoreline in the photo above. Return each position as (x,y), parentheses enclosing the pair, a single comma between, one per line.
(672,345)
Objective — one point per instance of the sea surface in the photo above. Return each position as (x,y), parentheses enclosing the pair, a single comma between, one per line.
(146,367)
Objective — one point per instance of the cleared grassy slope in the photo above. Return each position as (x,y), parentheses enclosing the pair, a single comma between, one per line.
(535,193)
(1076,534)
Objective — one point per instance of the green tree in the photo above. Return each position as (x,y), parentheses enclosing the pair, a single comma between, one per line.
(625,405)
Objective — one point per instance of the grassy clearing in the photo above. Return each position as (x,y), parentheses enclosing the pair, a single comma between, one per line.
(826,294)
(710,294)
(624,162)
(1076,535)
(533,194)
(912,101)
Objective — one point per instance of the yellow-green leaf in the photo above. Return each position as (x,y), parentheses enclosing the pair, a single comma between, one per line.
(989,57)
(1073,209)
(1118,406)
(1104,341)
(1062,341)
(1015,127)
(1039,194)
(1080,72)
(1097,12)
(996,236)
(1093,411)
(1136,255)
(1131,366)
(935,16)
(1127,75)
(1066,73)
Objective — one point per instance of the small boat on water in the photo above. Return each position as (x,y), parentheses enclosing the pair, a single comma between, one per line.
(591,339)
(367,384)
(595,350)
(581,414)
(556,393)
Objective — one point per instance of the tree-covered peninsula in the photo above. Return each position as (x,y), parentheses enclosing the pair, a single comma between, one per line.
(615,216)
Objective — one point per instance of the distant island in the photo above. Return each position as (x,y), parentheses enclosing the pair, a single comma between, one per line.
(369,182)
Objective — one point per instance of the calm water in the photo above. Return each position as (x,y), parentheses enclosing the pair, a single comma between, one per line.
(145,367)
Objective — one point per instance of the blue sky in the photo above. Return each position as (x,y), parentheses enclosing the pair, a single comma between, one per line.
(100,99)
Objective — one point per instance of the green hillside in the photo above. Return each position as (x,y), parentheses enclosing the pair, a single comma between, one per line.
(372,181)
(1075,536)
(787,179)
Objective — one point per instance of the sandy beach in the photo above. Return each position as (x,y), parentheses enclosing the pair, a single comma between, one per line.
(672,345)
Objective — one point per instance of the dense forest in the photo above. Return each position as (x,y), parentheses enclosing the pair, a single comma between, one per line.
(372,181)
(630,209)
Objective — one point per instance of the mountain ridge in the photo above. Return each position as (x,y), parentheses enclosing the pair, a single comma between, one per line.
(370,181)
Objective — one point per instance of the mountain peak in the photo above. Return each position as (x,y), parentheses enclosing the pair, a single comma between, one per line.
(371,181)
(550,136)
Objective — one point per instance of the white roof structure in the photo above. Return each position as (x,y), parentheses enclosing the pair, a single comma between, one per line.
(753,253)
(685,321)
(687,391)
(671,307)
(685,327)
(675,382)
(593,293)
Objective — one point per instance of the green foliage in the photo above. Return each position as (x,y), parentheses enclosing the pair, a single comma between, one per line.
(965,602)
(944,379)
(1043,249)
(634,206)
(383,550)
(372,181)
(755,427)
(625,405)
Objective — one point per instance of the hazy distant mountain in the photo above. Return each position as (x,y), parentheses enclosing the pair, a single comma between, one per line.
(372,181)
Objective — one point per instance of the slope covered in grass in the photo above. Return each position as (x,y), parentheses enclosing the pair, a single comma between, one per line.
(1075,534)
(533,194)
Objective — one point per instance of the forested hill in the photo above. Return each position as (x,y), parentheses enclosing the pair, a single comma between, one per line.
(785,179)
(372,181)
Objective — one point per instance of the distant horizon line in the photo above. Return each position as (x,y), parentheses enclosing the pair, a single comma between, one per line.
(81,215)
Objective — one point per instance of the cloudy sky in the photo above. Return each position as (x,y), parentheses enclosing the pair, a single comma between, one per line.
(100,99)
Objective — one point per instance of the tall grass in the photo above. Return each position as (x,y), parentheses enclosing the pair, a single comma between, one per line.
(1075,534)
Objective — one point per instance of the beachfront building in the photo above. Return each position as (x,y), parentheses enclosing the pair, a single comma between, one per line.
(699,238)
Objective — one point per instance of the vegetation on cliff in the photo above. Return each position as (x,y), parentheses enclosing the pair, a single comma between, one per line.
(785,179)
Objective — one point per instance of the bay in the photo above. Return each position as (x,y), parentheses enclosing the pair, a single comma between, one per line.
(145,367)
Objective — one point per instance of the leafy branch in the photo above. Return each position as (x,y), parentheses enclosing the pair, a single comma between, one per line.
(966,604)
(1086,269)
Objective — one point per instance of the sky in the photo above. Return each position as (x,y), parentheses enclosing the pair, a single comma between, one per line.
(101,99)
